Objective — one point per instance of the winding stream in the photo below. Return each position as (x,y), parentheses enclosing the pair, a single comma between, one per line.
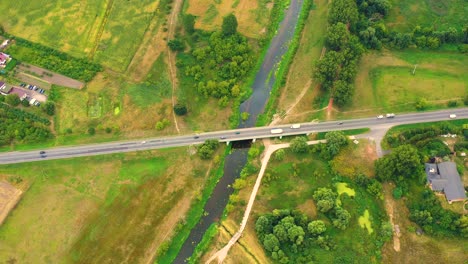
(254,106)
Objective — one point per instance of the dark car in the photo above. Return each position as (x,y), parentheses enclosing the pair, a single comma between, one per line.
(195,137)
(340,123)
(237,133)
(43,154)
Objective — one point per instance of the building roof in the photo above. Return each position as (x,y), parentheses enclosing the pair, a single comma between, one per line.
(1,84)
(4,57)
(5,88)
(444,177)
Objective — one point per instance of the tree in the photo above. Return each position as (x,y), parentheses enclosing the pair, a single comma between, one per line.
(421,217)
(13,99)
(2,99)
(180,109)
(49,108)
(341,219)
(335,141)
(176,45)
(245,116)
(91,131)
(207,149)
(229,26)
(25,103)
(325,69)
(337,36)
(299,145)
(271,243)
(325,199)
(279,154)
(296,234)
(342,92)
(316,227)
(263,225)
(344,11)
(189,23)
(375,188)
(403,162)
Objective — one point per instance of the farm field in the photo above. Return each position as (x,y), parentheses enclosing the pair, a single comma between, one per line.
(385,82)
(281,190)
(99,30)
(299,80)
(406,14)
(113,208)
(252,15)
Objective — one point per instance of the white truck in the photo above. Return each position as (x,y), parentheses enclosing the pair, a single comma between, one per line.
(296,126)
(392,115)
(277,131)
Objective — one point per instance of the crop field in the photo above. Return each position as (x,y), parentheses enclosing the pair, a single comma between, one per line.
(113,208)
(252,15)
(406,14)
(98,29)
(385,81)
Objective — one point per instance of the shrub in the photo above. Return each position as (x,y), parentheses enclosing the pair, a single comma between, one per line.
(176,45)
(397,193)
(91,131)
(452,103)
(180,109)
(13,100)
(49,108)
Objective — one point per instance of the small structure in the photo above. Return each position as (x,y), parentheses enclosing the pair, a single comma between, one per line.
(5,88)
(4,59)
(4,43)
(443,177)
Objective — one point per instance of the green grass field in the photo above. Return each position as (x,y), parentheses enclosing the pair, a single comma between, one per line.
(406,14)
(281,190)
(115,208)
(385,81)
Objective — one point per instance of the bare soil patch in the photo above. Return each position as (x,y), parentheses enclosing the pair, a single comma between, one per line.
(49,77)
(9,197)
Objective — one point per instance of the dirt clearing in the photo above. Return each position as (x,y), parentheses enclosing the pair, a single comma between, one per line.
(9,197)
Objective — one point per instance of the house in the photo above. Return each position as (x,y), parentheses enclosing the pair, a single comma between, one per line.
(443,177)
(4,59)
(5,88)
(21,93)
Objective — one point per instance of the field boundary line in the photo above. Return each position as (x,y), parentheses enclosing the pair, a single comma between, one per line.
(110,4)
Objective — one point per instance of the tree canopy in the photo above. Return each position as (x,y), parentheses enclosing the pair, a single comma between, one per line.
(229,26)
(403,162)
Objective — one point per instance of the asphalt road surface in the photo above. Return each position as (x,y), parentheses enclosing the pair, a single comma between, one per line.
(226,135)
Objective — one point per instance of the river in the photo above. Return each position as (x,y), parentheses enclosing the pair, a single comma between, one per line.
(254,106)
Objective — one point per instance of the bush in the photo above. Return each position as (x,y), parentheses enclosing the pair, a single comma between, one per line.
(108,130)
(180,109)
(25,103)
(13,100)
(452,103)
(49,108)
(91,131)
(176,45)
(397,193)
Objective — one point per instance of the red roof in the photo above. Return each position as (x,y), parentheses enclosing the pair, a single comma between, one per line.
(18,91)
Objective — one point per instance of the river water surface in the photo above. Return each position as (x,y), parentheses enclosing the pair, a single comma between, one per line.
(254,106)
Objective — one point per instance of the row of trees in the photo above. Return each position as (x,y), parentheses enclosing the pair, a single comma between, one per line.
(287,235)
(18,125)
(54,60)
(337,69)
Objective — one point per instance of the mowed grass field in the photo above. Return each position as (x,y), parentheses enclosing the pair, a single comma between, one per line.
(110,32)
(106,209)
(385,82)
(406,14)
(252,15)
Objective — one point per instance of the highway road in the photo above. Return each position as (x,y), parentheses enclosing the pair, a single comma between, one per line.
(226,136)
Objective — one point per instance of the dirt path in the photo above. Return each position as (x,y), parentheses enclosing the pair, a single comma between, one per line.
(171,56)
(221,254)
(389,207)
(278,118)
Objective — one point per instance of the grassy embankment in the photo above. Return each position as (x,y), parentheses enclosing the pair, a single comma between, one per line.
(299,76)
(116,208)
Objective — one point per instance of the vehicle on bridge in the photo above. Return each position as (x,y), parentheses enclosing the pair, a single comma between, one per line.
(277,131)
(296,126)
(452,116)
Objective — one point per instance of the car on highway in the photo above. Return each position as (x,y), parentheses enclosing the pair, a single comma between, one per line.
(195,137)
(340,123)
(143,142)
(42,153)
(380,116)
(237,133)
(222,137)
(452,116)
(296,126)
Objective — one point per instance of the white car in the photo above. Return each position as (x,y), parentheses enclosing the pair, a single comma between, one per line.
(380,116)
(452,116)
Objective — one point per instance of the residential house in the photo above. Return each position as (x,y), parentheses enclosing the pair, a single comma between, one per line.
(5,88)
(443,177)
(4,59)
